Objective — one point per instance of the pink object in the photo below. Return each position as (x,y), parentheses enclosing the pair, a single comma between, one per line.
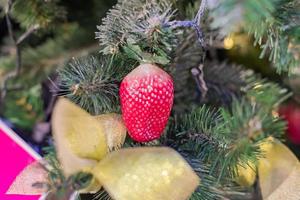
(15,155)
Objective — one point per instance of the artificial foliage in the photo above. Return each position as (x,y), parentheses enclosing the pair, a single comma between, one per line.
(38,13)
(95,87)
(274,25)
(42,48)
(219,121)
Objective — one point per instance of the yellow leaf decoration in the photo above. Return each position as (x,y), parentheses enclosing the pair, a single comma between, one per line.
(279,172)
(246,175)
(115,130)
(79,138)
(146,173)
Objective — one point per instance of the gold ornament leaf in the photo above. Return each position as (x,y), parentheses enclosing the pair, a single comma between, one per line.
(79,138)
(26,183)
(279,172)
(246,175)
(146,173)
(115,130)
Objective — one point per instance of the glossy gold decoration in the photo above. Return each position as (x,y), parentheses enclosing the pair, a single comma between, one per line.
(146,173)
(246,175)
(279,172)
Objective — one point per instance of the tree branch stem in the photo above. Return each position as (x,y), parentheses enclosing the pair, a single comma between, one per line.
(27,34)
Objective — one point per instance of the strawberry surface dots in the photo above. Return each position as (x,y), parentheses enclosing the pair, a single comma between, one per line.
(146,101)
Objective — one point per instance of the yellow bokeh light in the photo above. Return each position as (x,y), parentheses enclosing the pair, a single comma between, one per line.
(228,43)
(257,86)
(275,114)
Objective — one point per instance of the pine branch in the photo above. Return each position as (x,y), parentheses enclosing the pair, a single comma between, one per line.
(220,81)
(224,138)
(234,134)
(93,83)
(16,72)
(27,34)
(211,187)
(25,107)
(188,55)
(227,81)
(208,189)
(102,195)
(145,31)
(18,9)
(59,186)
(268,94)
(274,25)
(36,13)
(224,81)
(38,62)
(132,20)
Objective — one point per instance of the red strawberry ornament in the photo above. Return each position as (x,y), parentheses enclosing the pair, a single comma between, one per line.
(147,95)
(291,113)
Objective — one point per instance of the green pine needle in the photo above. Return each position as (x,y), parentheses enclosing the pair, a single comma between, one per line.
(224,138)
(135,26)
(273,24)
(127,19)
(43,14)
(93,83)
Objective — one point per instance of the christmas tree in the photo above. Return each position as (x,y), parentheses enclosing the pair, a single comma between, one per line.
(167,105)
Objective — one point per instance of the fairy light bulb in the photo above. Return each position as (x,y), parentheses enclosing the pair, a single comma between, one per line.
(228,43)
